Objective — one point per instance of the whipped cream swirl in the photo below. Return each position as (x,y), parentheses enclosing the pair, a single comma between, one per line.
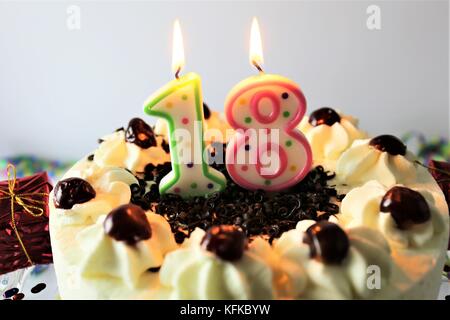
(329,141)
(194,273)
(362,163)
(361,207)
(115,151)
(105,257)
(112,186)
(346,280)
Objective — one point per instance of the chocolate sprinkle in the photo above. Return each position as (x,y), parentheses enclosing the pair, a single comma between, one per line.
(18,296)
(100,141)
(327,241)
(446,268)
(154,270)
(71,191)
(226,241)
(127,223)
(256,212)
(10,293)
(406,206)
(90,157)
(156,173)
(324,115)
(206,111)
(388,143)
(38,288)
(140,133)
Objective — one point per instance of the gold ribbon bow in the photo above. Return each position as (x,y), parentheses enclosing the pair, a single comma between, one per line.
(25,200)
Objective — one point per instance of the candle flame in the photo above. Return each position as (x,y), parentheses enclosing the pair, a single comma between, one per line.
(177,49)
(256,52)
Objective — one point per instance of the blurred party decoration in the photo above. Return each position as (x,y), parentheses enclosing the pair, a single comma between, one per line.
(434,154)
(24,235)
(39,269)
(11,282)
(436,148)
(28,165)
(441,173)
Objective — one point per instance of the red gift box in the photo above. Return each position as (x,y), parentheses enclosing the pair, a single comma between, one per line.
(441,173)
(24,235)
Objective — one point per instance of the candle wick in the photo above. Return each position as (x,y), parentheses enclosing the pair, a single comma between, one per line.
(177,73)
(257,66)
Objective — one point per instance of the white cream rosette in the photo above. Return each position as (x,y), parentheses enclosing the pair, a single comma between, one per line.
(328,142)
(345,280)
(105,257)
(192,272)
(361,207)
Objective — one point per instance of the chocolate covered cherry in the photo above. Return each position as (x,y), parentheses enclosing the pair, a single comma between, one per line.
(127,223)
(406,206)
(327,242)
(324,115)
(140,133)
(388,143)
(226,241)
(71,191)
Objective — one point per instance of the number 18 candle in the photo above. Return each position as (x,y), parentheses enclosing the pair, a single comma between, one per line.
(266,103)
(180,103)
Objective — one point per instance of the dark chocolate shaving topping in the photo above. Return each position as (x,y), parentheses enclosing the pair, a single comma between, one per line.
(140,133)
(165,146)
(324,115)
(154,269)
(156,173)
(256,212)
(388,143)
(406,206)
(206,111)
(226,241)
(127,223)
(71,191)
(327,242)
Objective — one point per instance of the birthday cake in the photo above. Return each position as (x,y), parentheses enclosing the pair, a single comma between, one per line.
(365,222)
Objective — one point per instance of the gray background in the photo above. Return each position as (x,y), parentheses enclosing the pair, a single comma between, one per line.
(60,90)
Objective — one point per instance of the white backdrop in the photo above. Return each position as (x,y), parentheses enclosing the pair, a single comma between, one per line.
(61,89)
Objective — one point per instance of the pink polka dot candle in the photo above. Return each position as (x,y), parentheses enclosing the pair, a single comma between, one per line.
(180,103)
(267,152)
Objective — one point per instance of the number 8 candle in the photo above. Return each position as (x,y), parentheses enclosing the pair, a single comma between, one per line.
(266,103)
(180,103)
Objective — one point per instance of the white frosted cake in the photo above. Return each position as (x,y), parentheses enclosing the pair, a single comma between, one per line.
(366,223)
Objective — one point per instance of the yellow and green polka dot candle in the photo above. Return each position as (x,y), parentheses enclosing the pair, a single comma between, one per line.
(180,103)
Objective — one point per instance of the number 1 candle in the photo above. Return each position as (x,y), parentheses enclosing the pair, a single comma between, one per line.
(266,103)
(180,103)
